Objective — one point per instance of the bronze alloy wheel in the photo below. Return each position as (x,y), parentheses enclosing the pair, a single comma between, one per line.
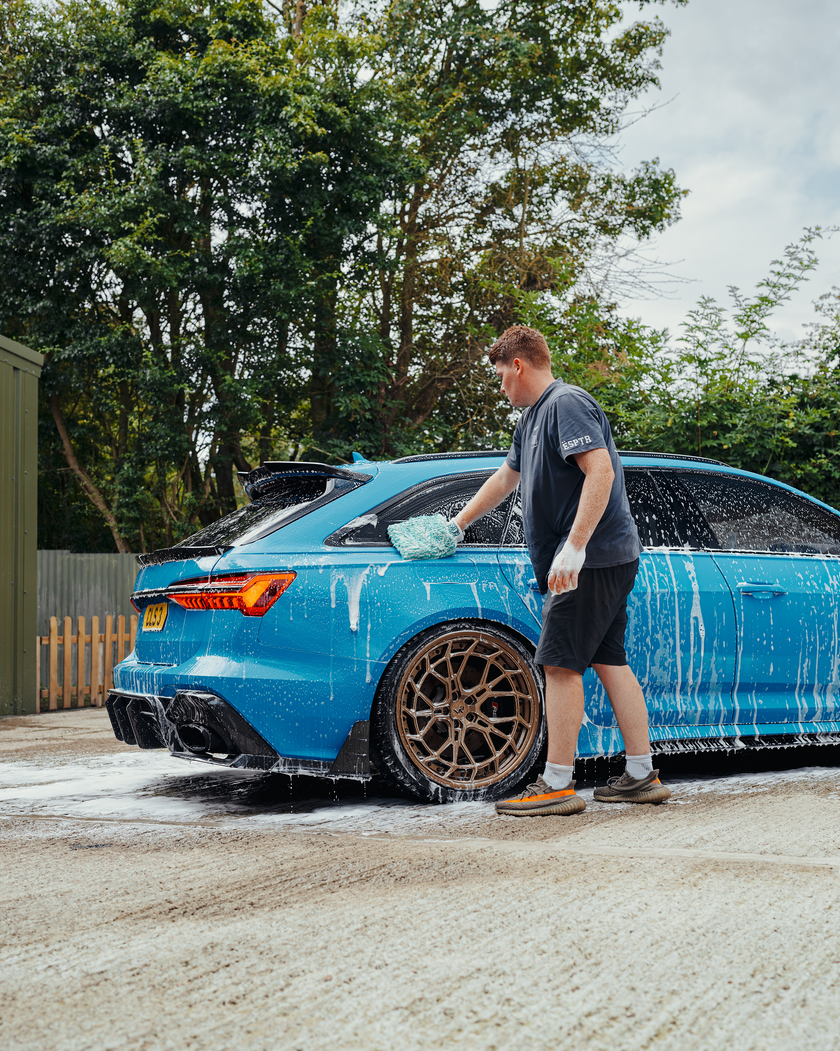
(465,705)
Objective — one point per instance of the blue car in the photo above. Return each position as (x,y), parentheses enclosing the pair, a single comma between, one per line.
(291,637)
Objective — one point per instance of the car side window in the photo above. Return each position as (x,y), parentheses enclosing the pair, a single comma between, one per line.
(748,515)
(686,522)
(445,496)
(656,519)
(514,534)
(657,526)
(488,530)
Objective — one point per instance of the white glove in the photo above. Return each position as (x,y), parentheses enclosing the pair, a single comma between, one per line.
(567,564)
(452,522)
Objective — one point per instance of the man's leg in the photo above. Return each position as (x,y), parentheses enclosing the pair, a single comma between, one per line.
(628,703)
(640,785)
(574,628)
(564,713)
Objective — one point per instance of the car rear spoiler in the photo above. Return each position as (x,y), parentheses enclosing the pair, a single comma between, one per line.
(266,477)
(178,554)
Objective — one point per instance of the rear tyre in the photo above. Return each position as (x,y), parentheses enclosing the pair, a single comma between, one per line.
(459,714)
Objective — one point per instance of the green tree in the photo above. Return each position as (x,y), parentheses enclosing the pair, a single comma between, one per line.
(725,387)
(508,111)
(177,183)
(237,236)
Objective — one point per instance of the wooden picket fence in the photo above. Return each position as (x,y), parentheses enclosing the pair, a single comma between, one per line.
(86,661)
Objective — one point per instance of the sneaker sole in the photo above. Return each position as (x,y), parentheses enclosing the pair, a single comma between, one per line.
(567,806)
(647,795)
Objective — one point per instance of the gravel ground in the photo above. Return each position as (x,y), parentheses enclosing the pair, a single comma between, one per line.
(148,905)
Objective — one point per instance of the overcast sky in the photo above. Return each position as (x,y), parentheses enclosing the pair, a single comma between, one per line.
(753,132)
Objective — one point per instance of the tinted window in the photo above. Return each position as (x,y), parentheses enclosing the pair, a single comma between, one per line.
(445,496)
(515,528)
(686,525)
(657,518)
(748,515)
(657,527)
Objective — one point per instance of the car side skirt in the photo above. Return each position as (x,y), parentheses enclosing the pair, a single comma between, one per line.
(596,741)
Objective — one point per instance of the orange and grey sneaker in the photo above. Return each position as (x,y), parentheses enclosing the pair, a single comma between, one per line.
(539,799)
(627,789)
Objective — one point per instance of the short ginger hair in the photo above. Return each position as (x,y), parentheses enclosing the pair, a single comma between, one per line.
(521,342)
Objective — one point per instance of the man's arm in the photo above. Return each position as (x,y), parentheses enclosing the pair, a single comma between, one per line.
(594,497)
(494,490)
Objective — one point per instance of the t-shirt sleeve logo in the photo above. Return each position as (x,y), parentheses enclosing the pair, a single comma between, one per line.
(575,442)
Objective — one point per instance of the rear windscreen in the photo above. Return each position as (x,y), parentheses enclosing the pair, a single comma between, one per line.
(289,500)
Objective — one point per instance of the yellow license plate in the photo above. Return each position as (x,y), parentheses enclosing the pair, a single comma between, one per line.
(154,617)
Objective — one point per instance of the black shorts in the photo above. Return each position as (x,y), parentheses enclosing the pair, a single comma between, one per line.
(586,626)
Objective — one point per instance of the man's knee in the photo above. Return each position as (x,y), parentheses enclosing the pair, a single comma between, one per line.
(554,672)
(614,673)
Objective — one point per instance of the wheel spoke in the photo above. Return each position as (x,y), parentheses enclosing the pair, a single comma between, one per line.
(473,761)
(487,735)
(491,726)
(453,761)
(446,744)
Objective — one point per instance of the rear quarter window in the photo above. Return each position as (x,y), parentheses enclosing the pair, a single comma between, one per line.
(444,496)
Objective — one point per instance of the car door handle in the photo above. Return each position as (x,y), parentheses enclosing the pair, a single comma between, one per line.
(760,591)
(533,585)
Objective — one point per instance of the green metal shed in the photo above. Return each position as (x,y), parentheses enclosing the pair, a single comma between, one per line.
(20,369)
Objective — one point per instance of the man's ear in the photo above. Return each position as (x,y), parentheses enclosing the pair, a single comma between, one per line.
(519,365)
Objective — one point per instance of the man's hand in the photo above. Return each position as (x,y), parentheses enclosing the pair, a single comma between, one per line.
(567,564)
(454,522)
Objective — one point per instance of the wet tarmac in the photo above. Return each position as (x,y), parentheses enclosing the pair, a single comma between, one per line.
(150,904)
(135,785)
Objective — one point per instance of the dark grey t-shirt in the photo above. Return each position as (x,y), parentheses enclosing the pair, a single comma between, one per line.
(565,421)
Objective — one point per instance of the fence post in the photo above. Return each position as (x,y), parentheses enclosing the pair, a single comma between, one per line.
(38,676)
(67,685)
(94,662)
(53,663)
(81,644)
(122,638)
(109,654)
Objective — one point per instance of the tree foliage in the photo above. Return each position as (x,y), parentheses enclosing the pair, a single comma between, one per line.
(239,235)
(177,183)
(723,387)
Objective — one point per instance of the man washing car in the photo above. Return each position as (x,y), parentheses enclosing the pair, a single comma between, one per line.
(584,548)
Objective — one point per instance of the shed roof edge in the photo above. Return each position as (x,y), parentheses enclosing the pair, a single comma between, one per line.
(19,350)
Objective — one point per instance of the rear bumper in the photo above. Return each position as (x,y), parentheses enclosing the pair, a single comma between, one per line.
(203,727)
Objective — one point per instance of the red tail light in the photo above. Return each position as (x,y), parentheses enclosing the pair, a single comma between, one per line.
(251,593)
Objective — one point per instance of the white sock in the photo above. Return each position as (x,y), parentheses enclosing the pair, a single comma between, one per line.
(556,776)
(639,766)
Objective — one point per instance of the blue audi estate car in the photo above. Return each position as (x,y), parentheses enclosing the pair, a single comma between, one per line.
(291,637)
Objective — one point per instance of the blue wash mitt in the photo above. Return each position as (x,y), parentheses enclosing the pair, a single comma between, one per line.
(426,536)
